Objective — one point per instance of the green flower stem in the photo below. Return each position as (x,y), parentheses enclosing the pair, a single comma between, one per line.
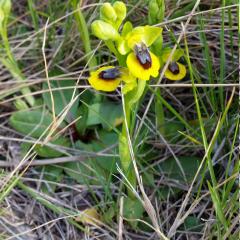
(130,99)
(83,30)
(125,156)
(113,49)
(160,118)
(11,64)
(7,47)
(134,96)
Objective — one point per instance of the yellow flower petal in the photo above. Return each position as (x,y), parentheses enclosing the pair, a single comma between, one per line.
(109,85)
(178,53)
(182,73)
(122,46)
(103,85)
(145,34)
(126,76)
(139,71)
(129,87)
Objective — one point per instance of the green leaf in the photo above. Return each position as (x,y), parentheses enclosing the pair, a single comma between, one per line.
(171,131)
(62,97)
(52,174)
(81,124)
(183,11)
(112,113)
(109,214)
(171,171)
(148,179)
(25,146)
(189,165)
(47,151)
(85,173)
(78,171)
(106,113)
(32,123)
(106,139)
(192,223)
(164,192)
(51,152)
(133,209)
(94,114)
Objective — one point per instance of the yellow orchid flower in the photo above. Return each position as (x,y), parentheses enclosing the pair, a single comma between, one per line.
(141,62)
(108,78)
(176,71)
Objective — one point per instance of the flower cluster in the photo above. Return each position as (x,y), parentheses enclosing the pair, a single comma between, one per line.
(132,48)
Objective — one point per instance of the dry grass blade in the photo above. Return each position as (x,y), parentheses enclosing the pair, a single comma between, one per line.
(46,72)
(120,223)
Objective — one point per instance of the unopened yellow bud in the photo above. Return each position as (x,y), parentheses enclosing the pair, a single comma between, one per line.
(107,13)
(104,31)
(1,15)
(120,9)
(6,5)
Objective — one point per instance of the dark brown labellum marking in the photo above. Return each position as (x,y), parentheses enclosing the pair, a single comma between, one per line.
(173,67)
(143,55)
(109,74)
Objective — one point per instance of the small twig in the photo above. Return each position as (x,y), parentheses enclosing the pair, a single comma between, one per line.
(46,71)
(120,224)
(43,162)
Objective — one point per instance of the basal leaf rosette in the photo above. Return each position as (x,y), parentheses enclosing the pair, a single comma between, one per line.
(109,77)
(142,63)
(175,71)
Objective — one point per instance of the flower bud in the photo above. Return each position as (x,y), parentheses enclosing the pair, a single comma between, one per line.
(6,5)
(127,27)
(152,12)
(107,13)
(2,15)
(104,31)
(161,5)
(1,20)
(156,11)
(120,9)
(20,104)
